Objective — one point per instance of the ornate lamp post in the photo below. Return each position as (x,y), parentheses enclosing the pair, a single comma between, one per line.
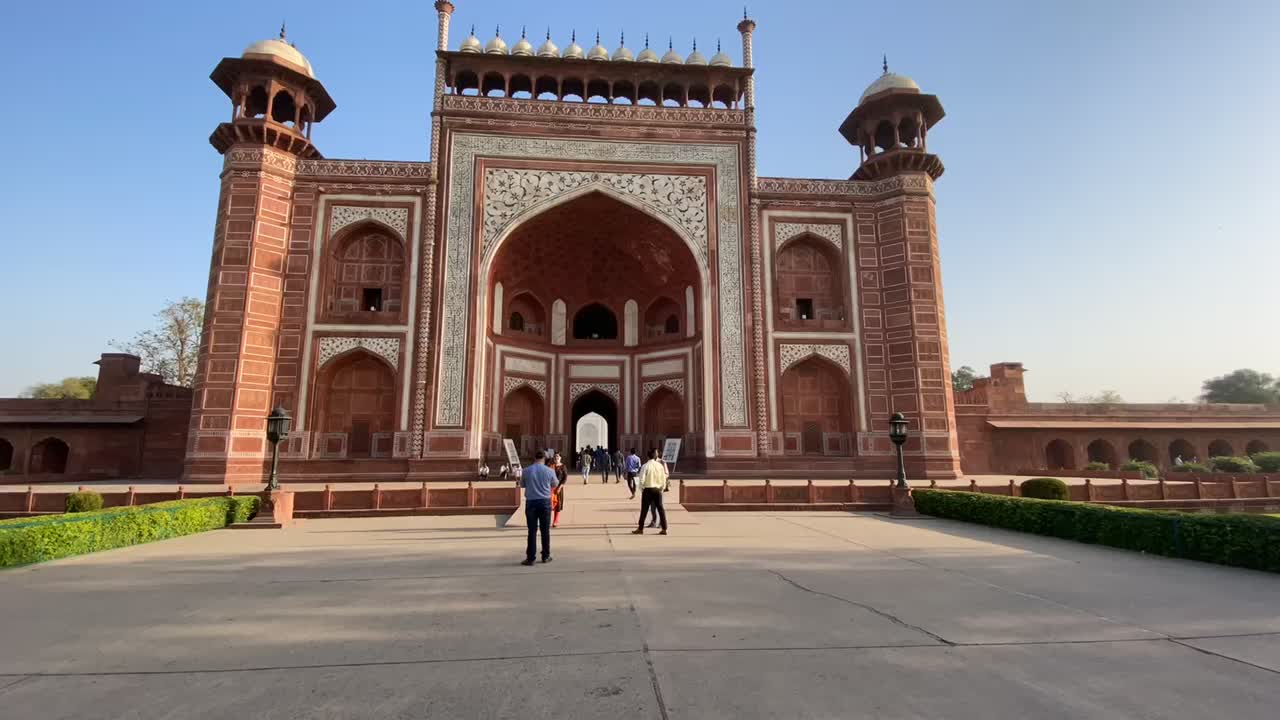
(277,429)
(898,434)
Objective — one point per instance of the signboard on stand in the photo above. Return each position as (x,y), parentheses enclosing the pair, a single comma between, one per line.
(513,457)
(671,453)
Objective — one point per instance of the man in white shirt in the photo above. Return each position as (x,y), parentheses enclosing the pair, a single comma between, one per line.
(652,481)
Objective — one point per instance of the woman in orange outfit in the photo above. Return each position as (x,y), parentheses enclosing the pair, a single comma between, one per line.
(557,495)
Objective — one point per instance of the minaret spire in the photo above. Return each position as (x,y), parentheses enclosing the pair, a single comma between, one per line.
(282,37)
(885,65)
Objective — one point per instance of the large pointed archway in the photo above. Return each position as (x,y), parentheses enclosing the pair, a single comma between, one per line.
(594,401)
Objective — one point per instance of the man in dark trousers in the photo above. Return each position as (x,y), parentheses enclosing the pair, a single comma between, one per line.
(653,479)
(538,480)
(633,469)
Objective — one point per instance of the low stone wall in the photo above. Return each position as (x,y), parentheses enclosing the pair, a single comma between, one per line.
(329,502)
(757,496)
(1225,495)
(1095,474)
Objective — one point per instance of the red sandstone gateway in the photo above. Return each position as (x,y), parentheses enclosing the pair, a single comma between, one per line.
(589,238)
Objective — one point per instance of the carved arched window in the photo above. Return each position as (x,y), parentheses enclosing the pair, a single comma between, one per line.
(365,282)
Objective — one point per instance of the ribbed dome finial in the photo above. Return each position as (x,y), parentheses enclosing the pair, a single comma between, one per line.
(282,37)
(885,65)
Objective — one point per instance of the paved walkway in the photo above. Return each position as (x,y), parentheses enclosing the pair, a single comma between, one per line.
(801,615)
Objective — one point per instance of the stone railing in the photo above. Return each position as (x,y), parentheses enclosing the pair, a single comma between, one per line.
(756,495)
(469,500)
(1228,495)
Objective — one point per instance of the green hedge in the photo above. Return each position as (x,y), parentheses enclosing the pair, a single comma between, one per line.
(1267,462)
(85,501)
(1232,464)
(30,540)
(1148,470)
(1045,489)
(1249,541)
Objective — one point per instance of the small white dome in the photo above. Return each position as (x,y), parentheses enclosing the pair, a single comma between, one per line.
(720,59)
(695,57)
(647,55)
(280,48)
(599,52)
(548,49)
(671,57)
(623,54)
(889,81)
(472,44)
(523,47)
(574,51)
(496,46)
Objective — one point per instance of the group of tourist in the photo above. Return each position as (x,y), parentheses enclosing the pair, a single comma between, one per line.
(544,482)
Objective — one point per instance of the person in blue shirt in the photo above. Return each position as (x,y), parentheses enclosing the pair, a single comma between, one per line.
(538,480)
(632,465)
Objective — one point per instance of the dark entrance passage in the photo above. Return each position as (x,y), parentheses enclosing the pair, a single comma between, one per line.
(593,402)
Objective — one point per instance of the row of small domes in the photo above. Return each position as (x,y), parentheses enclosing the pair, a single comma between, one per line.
(524,48)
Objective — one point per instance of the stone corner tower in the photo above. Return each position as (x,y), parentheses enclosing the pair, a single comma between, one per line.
(890,127)
(244,368)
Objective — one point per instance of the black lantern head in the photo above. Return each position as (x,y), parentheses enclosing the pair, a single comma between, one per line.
(278,425)
(898,428)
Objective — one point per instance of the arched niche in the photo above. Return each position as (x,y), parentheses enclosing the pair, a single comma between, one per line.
(817,412)
(807,282)
(356,395)
(1060,455)
(49,457)
(364,276)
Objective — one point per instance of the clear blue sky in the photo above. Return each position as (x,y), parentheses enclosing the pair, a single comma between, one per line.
(1106,215)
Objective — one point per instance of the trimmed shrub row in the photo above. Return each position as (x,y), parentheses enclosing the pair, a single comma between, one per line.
(1248,541)
(30,540)
(1148,470)
(1045,489)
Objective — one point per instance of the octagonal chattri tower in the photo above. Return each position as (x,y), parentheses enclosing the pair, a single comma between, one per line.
(890,126)
(275,98)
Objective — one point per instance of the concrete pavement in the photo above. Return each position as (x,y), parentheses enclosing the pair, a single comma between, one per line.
(786,615)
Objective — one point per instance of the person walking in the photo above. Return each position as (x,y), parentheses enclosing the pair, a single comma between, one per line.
(619,463)
(653,480)
(557,495)
(598,461)
(633,469)
(539,481)
(606,465)
(584,460)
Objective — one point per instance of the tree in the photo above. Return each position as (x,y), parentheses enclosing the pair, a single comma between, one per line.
(1242,386)
(170,348)
(1066,397)
(72,388)
(962,379)
(1106,397)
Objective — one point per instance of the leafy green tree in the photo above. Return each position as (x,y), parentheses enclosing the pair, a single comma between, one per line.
(962,378)
(170,348)
(1242,386)
(72,388)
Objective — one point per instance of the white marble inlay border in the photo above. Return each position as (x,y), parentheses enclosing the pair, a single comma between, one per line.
(511,383)
(613,390)
(832,232)
(460,246)
(386,348)
(649,388)
(341,216)
(791,354)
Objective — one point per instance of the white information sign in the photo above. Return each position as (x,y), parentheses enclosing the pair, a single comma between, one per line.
(671,452)
(513,457)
